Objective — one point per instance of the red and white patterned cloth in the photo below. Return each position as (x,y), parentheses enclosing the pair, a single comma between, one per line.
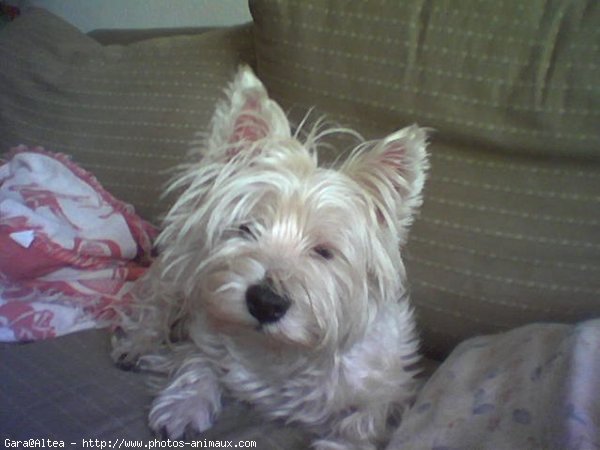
(69,251)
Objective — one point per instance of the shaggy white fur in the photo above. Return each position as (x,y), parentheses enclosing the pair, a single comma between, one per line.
(281,281)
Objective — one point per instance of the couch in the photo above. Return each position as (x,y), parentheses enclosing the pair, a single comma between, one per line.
(509,233)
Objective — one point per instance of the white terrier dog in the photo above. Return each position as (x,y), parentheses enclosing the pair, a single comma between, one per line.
(281,282)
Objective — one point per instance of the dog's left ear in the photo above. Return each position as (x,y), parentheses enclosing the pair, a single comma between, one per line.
(247,116)
(392,172)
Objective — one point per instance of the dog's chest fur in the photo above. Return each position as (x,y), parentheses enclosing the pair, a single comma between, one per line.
(307,387)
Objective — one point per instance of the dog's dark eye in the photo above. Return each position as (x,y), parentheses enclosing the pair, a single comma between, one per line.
(323,252)
(245,231)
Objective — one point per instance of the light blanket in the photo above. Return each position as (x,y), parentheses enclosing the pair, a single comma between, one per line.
(69,251)
(535,387)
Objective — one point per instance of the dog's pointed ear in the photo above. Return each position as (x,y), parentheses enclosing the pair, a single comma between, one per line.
(392,174)
(246,116)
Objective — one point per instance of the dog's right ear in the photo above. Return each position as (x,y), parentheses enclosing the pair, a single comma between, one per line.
(392,172)
(246,117)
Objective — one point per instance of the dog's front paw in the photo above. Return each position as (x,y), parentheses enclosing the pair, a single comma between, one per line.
(174,415)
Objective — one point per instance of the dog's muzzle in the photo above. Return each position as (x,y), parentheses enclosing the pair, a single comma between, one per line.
(265,304)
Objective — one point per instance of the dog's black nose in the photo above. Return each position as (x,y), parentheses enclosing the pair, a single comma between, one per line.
(265,304)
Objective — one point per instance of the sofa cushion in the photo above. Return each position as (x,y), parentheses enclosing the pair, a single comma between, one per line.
(508,233)
(125,113)
(513,76)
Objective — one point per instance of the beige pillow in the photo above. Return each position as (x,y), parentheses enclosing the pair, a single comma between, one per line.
(510,228)
(126,113)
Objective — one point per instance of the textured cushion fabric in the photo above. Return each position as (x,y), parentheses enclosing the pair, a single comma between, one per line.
(125,113)
(510,229)
(512,75)
(68,389)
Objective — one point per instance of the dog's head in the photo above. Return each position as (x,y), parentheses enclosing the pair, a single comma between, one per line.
(263,239)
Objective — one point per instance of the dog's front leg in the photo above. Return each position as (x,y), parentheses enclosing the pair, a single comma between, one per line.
(190,402)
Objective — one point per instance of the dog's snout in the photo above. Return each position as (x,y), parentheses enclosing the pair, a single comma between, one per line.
(265,304)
